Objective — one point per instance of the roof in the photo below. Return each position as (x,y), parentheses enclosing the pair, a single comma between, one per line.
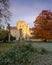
(32,28)
(13,27)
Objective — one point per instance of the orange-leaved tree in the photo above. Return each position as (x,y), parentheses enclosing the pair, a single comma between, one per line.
(43,25)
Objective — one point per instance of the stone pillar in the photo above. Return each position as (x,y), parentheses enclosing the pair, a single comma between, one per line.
(20,35)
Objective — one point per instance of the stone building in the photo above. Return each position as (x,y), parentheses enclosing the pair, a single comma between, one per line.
(14,32)
(20,30)
(24,27)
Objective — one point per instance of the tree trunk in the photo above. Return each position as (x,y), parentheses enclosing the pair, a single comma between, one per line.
(9,37)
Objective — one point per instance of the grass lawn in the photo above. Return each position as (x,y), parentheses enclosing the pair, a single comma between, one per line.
(37,57)
(47,45)
(6,46)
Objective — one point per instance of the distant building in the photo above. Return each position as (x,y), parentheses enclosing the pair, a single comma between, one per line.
(14,32)
(25,30)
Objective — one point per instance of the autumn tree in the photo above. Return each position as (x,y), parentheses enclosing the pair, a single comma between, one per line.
(43,25)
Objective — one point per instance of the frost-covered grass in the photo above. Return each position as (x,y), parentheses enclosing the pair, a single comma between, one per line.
(27,54)
(47,46)
(6,46)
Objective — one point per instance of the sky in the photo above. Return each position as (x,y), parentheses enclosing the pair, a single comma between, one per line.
(28,10)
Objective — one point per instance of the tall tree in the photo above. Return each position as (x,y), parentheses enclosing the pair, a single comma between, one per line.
(43,25)
(8,27)
(4,11)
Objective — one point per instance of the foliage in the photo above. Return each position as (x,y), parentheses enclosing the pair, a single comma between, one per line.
(4,36)
(43,26)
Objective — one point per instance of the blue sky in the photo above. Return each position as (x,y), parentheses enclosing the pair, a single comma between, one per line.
(28,10)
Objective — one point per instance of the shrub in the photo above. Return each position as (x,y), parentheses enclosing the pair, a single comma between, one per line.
(43,51)
(4,35)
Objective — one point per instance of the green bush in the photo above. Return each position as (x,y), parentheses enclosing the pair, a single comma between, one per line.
(4,35)
(42,51)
